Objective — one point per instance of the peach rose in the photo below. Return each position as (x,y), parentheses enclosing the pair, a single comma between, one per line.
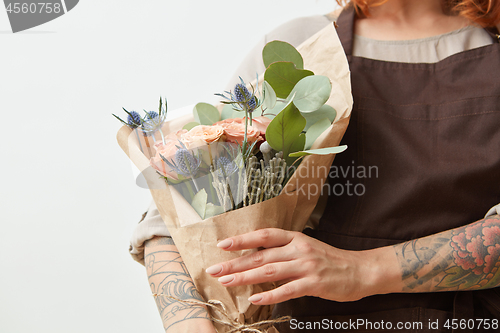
(207,134)
(167,150)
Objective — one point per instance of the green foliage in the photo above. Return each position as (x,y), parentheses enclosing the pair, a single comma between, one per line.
(320,151)
(325,111)
(281,51)
(199,202)
(190,125)
(270,95)
(284,131)
(206,114)
(297,145)
(311,92)
(227,112)
(283,76)
(315,131)
(212,210)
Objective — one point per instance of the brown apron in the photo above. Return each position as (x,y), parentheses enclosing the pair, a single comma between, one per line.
(424,143)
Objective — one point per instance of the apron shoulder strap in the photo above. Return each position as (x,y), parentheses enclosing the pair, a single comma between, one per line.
(494,33)
(345,28)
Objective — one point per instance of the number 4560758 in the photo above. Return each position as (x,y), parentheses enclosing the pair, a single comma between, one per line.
(40,7)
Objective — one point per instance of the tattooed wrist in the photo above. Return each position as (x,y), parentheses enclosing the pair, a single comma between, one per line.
(167,275)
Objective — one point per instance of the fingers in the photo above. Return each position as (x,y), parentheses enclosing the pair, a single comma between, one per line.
(293,289)
(267,273)
(250,261)
(270,237)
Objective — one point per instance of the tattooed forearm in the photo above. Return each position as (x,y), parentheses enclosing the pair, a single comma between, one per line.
(459,259)
(168,275)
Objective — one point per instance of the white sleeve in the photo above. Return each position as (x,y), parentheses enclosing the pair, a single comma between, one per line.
(493,211)
(294,32)
(150,226)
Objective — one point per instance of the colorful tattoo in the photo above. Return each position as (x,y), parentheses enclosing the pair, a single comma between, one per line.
(460,259)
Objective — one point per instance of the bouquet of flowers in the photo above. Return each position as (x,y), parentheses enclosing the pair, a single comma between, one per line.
(258,162)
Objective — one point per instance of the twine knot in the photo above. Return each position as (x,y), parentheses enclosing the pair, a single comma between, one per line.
(235,326)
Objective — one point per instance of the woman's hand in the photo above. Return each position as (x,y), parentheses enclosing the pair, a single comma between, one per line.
(307,267)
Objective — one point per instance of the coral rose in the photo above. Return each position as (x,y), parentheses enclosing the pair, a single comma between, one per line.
(235,129)
(235,132)
(261,124)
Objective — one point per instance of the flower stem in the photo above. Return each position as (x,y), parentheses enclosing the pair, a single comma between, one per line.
(246,129)
(138,139)
(162,136)
(190,189)
(210,154)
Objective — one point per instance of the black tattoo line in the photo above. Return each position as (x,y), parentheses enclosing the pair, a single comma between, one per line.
(170,277)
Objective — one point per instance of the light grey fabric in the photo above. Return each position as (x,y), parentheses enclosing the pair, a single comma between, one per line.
(151,225)
(425,50)
(297,31)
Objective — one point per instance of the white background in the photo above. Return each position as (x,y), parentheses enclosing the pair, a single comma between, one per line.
(68,198)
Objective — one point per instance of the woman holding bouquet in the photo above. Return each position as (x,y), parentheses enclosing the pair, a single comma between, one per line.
(426,112)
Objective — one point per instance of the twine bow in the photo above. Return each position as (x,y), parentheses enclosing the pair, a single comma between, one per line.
(236,327)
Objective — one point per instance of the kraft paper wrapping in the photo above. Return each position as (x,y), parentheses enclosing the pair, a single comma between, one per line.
(196,242)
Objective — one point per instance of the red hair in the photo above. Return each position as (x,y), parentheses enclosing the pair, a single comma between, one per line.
(483,12)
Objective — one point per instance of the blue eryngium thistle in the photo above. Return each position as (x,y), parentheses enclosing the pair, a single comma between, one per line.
(152,114)
(134,119)
(241,93)
(241,99)
(184,162)
(224,167)
(153,122)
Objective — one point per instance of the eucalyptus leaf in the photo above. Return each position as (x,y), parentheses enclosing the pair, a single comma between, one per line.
(285,129)
(320,151)
(315,131)
(238,114)
(206,114)
(311,92)
(283,76)
(325,111)
(270,95)
(213,210)
(199,203)
(280,105)
(297,145)
(190,125)
(227,112)
(281,51)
